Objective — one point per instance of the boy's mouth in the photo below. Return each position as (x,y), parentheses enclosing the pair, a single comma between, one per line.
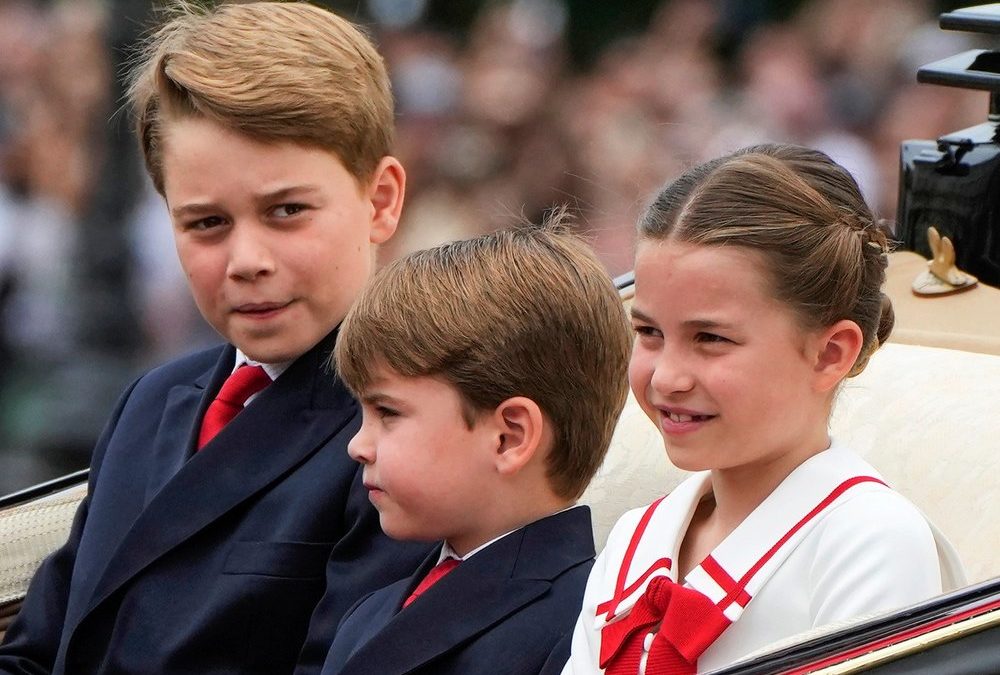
(260,309)
(374,493)
(259,306)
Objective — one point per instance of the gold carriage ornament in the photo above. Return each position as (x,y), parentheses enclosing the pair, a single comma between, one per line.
(941,276)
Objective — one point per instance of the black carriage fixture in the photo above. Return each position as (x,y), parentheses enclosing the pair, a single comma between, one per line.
(954,183)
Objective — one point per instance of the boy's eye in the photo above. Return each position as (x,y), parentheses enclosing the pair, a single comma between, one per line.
(385,412)
(288,210)
(204,224)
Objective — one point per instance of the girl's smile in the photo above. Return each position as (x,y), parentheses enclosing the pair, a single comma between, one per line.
(681,421)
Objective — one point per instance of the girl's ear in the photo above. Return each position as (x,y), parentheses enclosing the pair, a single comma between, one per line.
(386,191)
(837,350)
(521,425)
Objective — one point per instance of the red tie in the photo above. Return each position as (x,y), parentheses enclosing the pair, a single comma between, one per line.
(688,625)
(241,385)
(441,569)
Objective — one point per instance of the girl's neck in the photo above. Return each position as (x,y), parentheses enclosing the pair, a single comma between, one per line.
(739,490)
(735,493)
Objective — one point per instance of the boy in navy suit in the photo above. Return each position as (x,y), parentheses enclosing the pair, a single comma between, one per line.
(491,373)
(217,539)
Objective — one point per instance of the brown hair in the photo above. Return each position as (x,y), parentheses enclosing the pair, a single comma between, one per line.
(520,312)
(804,215)
(271,70)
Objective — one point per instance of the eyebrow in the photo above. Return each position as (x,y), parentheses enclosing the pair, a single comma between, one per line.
(376,398)
(700,324)
(285,192)
(198,208)
(638,314)
(707,323)
(193,209)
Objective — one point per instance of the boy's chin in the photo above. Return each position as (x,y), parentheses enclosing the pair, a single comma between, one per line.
(401,533)
(275,350)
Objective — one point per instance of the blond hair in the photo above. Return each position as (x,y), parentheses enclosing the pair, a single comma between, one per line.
(804,215)
(520,312)
(271,70)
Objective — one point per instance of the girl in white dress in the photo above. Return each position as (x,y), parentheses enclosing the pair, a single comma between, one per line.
(757,292)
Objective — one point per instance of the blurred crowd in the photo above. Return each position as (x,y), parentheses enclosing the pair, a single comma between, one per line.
(498,121)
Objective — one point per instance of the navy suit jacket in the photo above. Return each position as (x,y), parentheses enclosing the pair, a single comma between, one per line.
(234,559)
(508,610)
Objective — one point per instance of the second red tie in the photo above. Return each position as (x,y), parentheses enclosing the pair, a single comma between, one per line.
(441,569)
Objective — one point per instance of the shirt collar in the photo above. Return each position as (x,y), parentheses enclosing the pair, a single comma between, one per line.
(448,552)
(273,370)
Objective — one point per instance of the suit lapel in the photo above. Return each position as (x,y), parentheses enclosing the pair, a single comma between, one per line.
(476,595)
(182,414)
(285,425)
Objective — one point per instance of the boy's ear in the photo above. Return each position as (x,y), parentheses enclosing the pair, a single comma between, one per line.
(837,350)
(521,426)
(386,191)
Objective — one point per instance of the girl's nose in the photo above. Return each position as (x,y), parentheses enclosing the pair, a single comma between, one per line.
(671,374)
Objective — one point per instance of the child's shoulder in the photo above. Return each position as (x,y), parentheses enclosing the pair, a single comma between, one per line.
(185,367)
(150,389)
(874,551)
(863,504)
(631,523)
(876,512)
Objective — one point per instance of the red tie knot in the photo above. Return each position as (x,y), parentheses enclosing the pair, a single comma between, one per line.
(439,570)
(241,385)
(658,593)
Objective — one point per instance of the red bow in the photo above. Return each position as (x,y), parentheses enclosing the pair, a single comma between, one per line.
(688,625)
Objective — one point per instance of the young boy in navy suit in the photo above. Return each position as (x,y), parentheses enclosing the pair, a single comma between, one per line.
(217,539)
(491,373)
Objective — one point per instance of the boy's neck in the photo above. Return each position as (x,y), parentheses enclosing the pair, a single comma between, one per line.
(463,547)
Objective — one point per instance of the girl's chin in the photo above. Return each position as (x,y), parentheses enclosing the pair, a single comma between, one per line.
(685,461)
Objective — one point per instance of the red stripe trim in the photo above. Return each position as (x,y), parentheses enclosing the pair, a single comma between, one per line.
(611,605)
(736,593)
(895,639)
(837,491)
(712,568)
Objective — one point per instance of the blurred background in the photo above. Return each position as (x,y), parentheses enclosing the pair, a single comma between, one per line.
(505,110)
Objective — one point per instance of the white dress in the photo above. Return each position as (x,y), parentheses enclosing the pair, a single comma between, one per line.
(832,542)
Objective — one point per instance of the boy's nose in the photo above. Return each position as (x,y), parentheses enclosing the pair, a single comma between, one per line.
(360,449)
(249,254)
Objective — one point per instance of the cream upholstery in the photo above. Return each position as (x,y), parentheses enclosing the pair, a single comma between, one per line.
(29,533)
(927,419)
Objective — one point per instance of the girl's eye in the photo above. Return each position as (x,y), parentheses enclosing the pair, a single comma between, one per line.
(646,331)
(287,210)
(710,337)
